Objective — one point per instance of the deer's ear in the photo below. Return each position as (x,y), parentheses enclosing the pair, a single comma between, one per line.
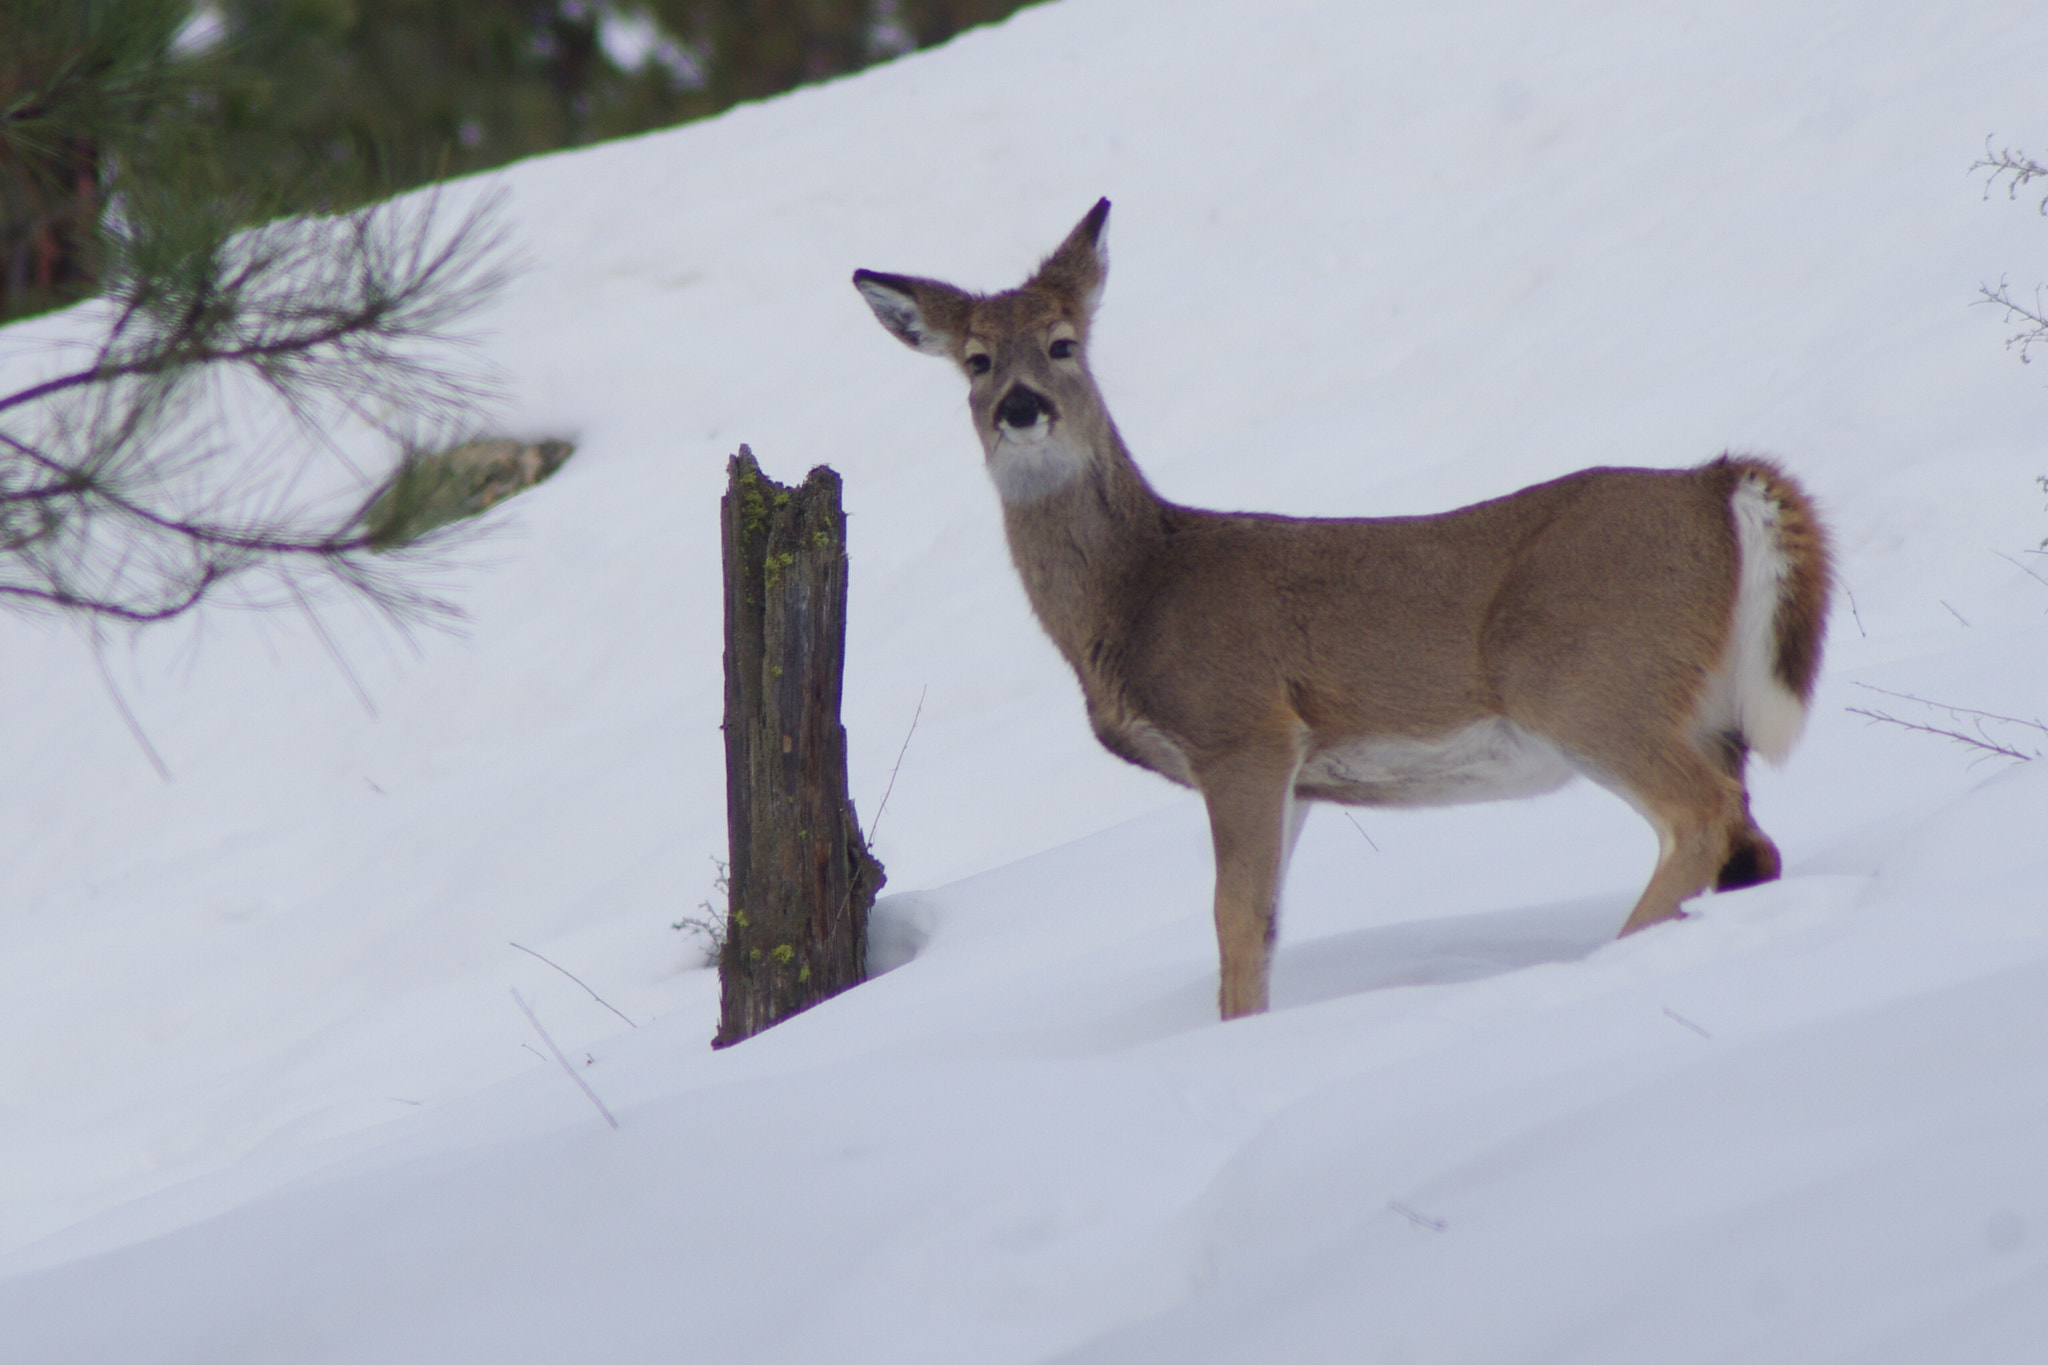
(1077,270)
(922,314)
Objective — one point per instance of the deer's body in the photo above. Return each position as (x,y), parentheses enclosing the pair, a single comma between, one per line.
(1644,628)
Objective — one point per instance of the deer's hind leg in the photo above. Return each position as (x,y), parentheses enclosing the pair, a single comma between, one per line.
(1691,793)
(1752,857)
(1704,834)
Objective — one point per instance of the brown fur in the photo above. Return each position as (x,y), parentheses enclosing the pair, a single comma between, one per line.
(1266,660)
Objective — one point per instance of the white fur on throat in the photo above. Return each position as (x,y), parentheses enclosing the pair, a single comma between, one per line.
(1034,463)
(1745,694)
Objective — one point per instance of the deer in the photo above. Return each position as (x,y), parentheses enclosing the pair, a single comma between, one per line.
(1647,629)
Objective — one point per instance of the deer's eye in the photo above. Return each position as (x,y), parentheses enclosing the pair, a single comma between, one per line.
(1063,349)
(978,363)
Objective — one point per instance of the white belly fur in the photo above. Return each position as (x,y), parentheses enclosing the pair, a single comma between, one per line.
(1493,760)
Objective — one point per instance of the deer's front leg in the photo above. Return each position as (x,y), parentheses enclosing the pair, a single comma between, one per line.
(1250,796)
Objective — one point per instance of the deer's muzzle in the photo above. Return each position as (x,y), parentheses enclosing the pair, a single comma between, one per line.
(1022,407)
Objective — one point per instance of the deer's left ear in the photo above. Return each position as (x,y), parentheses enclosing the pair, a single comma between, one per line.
(924,315)
(1079,267)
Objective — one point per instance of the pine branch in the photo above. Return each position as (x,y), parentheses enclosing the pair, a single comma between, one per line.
(120,611)
(307,294)
(117,498)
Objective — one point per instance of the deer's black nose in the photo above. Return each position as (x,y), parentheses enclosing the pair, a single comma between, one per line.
(1021,407)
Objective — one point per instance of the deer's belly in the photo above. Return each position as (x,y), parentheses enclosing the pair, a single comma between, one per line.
(1493,760)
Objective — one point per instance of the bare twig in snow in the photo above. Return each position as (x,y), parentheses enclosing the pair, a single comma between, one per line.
(1420,1220)
(581,1084)
(711,926)
(2032,320)
(2009,161)
(1361,830)
(1675,1017)
(578,980)
(1977,720)
(1857,615)
(876,823)
(2017,170)
(2021,567)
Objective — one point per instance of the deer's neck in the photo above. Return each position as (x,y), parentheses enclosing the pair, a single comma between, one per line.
(1081,549)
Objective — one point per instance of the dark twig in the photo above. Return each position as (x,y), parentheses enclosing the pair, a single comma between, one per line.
(2033,320)
(876,823)
(581,1084)
(2021,567)
(1855,614)
(1956,710)
(711,925)
(578,980)
(2017,170)
(1976,742)
(2005,162)
(1361,831)
(1982,739)
(1675,1017)
(1419,1219)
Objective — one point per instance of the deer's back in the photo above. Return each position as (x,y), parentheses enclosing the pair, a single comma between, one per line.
(1526,607)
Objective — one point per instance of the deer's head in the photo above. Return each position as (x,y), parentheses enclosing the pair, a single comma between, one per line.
(1025,355)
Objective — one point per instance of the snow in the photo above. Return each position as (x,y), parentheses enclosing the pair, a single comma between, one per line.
(268,1098)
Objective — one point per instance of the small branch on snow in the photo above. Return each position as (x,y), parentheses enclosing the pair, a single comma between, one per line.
(1675,1017)
(2017,171)
(1420,1220)
(581,1084)
(2009,161)
(1982,739)
(876,823)
(573,977)
(711,926)
(2021,567)
(1361,831)
(2032,321)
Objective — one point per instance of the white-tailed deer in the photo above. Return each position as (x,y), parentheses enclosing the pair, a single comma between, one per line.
(1645,628)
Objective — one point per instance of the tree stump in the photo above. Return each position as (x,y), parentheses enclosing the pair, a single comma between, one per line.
(801,879)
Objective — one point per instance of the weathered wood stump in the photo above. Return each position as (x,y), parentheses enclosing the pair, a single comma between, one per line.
(801,880)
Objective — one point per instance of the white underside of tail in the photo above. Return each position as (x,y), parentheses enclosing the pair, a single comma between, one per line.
(1745,695)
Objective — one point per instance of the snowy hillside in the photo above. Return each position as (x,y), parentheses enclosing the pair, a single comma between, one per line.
(267,1097)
